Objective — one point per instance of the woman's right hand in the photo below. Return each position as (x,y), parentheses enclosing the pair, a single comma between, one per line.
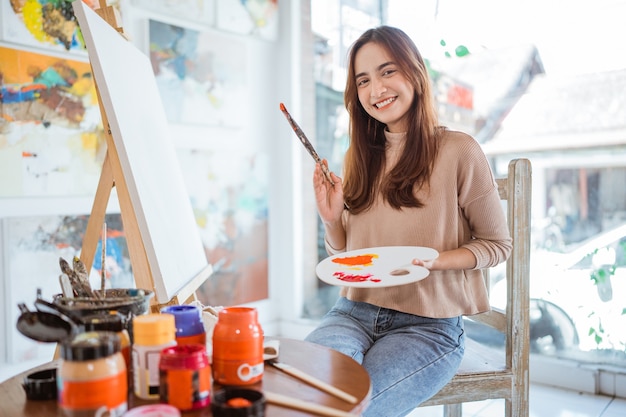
(328,197)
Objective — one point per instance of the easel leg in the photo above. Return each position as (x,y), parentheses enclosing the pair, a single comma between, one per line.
(98,213)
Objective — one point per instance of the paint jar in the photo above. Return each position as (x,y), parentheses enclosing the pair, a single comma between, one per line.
(92,376)
(238,402)
(152,333)
(112,322)
(189,324)
(185,377)
(237,347)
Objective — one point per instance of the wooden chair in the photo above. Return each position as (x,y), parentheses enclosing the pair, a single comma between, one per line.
(484,375)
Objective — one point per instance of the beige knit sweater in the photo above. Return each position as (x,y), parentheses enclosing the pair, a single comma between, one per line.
(462,209)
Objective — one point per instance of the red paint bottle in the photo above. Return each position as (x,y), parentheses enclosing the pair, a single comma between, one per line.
(185,377)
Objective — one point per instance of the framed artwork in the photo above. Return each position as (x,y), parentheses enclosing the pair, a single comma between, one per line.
(199,11)
(50,24)
(228,191)
(257,18)
(32,248)
(51,138)
(201,76)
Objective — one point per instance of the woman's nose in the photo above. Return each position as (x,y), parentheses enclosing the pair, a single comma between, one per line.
(378,88)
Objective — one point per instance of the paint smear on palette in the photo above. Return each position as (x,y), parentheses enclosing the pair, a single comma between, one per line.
(356,262)
(355,277)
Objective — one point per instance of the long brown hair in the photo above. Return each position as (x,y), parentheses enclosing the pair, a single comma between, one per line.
(364,160)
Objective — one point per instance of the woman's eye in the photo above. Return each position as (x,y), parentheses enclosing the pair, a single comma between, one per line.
(361,82)
(389,72)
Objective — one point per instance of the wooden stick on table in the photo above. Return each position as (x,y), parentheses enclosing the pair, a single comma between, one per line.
(288,369)
(296,404)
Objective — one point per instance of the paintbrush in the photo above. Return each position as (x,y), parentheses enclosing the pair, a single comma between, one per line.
(103,273)
(306,143)
(306,406)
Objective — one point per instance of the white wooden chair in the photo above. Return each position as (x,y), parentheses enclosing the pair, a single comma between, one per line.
(484,375)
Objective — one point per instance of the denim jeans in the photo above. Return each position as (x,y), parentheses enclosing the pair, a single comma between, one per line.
(408,358)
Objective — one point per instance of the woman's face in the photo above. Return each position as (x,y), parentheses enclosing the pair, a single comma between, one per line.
(383,91)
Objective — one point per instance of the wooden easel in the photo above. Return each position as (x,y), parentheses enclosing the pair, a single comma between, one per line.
(113,176)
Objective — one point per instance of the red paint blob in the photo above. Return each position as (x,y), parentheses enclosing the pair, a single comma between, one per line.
(355,278)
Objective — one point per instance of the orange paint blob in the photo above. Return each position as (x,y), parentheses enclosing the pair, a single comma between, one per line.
(359,260)
(238,402)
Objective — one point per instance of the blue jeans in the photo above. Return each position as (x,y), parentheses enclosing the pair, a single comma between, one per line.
(409,358)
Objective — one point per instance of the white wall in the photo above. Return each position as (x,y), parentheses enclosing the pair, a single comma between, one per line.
(275,75)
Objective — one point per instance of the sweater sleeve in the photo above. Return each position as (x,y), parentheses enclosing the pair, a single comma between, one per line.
(329,249)
(482,208)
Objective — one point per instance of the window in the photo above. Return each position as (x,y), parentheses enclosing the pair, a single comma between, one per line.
(521,93)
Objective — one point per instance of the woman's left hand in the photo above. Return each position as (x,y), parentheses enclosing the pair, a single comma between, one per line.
(461,258)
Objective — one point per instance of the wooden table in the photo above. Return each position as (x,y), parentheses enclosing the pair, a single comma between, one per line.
(318,361)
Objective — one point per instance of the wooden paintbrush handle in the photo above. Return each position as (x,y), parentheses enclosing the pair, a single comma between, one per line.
(288,369)
(302,405)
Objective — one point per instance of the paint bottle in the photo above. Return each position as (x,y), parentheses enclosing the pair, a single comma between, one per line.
(185,377)
(189,324)
(237,347)
(92,376)
(112,322)
(152,333)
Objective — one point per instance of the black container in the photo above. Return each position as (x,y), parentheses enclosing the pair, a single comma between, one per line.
(220,406)
(41,385)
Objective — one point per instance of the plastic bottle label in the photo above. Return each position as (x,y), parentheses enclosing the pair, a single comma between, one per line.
(146,374)
(237,373)
(186,389)
(110,392)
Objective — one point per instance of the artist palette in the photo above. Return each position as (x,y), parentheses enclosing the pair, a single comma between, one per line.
(384,266)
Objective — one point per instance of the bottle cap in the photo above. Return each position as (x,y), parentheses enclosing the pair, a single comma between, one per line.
(103,322)
(188,319)
(154,329)
(90,346)
(41,385)
(238,315)
(184,357)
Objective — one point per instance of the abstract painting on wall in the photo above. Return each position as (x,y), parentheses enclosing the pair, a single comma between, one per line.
(201,76)
(200,11)
(228,191)
(43,23)
(51,138)
(33,248)
(257,18)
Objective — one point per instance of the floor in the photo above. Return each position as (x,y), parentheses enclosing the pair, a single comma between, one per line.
(545,401)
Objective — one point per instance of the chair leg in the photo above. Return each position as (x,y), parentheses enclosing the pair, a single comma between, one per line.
(453,410)
(516,407)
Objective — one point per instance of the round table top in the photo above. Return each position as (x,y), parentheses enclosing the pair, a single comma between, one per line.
(320,362)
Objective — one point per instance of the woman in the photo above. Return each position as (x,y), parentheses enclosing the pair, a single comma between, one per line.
(407,182)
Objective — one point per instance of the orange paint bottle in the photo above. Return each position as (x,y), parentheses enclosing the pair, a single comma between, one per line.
(92,376)
(237,347)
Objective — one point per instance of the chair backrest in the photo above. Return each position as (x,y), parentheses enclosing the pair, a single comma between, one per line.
(484,374)
(514,322)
